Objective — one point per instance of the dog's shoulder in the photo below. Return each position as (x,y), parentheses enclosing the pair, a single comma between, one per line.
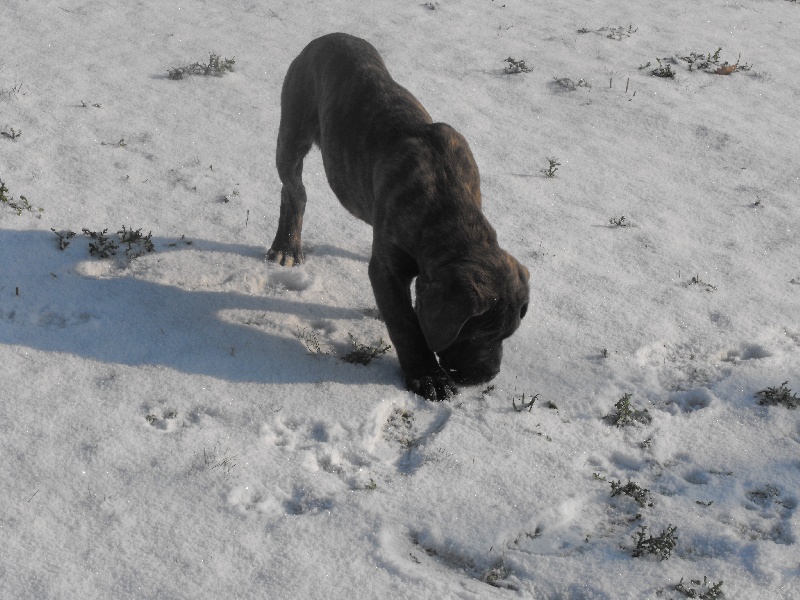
(345,53)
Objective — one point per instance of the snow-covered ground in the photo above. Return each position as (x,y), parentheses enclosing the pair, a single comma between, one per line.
(166,430)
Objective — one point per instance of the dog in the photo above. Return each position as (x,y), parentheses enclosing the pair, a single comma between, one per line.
(417,184)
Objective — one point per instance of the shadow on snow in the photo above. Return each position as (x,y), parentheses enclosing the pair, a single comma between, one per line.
(130,321)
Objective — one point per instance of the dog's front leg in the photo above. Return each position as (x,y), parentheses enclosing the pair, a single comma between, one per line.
(422,372)
(286,248)
(294,141)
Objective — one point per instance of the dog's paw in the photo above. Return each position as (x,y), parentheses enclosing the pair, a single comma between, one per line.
(435,386)
(286,258)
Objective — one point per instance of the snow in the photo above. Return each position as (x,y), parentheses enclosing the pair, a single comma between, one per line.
(166,430)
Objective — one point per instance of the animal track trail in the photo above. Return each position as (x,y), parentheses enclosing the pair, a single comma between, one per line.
(454,572)
(772,510)
(316,447)
(291,279)
(410,429)
(691,400)
(166,419)
(746,352)
(680,367)
(331,459)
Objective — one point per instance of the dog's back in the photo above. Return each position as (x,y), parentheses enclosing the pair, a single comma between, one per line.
(338,94)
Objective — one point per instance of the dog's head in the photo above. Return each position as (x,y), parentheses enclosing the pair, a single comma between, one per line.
(466,309)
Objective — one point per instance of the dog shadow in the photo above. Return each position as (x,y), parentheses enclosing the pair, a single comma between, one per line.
(48,302)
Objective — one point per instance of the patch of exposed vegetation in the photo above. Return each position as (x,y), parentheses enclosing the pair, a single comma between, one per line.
(631,489)
(516,66)
(362,354)
(550,171)
(612,33)
(710,63)
(311,341)
(620,222)
(21,205)
(569,85)
(137,244)
(700,283)
(523,405)
(64,238)
(707,591)
(12,134)
(627,415)
(216,67)
(661,546)
(8,93)
(103,246)
(778,396)
(664,71)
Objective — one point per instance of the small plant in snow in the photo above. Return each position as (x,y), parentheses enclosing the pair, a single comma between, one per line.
(569,85)
(627,415)
(617,33)
(13,134)
(612,33)
(7,93)
(523,405)
(699,282)
(516,66)
(551,170)
(311,340)
(19,206)
(216,67)
(710,63)
(662,546)
(700,60)
(778,396)
(663,71)
(362,354)
(63,238)
(103,246)
(138,244)
(711,591)
(621,222)
(153,418)
(639,494)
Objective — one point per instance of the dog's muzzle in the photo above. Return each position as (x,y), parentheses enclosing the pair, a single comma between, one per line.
(472,364)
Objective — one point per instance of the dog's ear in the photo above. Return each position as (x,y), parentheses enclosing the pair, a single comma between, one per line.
(443,306)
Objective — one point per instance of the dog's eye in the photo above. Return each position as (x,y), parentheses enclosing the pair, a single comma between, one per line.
(523,310)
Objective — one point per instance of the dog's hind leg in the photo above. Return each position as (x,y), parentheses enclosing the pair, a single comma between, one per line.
(298,130)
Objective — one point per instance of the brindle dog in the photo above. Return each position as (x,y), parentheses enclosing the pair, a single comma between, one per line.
(417,184)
